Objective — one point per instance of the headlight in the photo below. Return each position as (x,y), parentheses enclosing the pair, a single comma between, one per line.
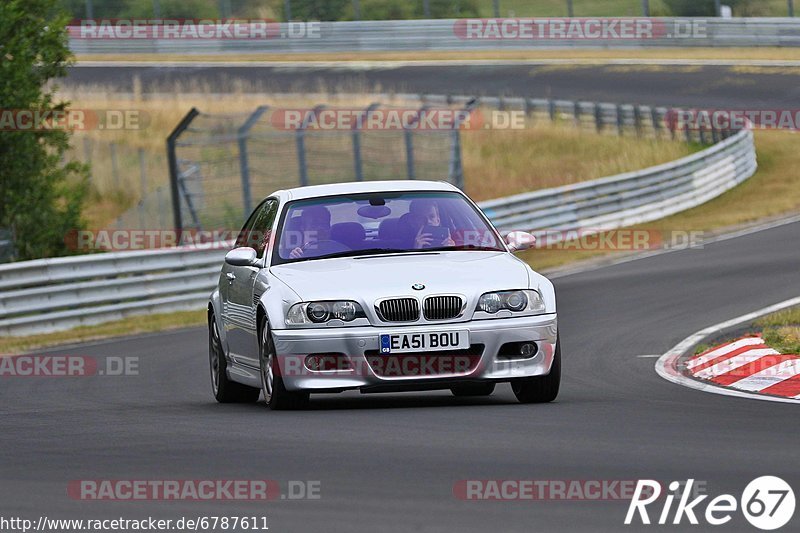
(527,301)
(321,312)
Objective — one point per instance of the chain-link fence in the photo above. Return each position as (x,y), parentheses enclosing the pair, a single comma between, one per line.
(125,175)
(223,164)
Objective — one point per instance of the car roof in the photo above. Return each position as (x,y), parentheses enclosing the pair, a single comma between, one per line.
(355,187)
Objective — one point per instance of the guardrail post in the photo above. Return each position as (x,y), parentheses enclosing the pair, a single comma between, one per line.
(637,120)
(598,117)
(244,164)
(670,116)
(172,160)
(576,113)
(551,109)
(655,122)
(702,131)
(620,121)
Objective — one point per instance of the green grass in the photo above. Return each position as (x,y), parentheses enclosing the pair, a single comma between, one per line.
(781,330)
(702,347)
(128,326)
(773,190)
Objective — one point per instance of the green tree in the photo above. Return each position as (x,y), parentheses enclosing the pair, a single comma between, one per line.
(41,195)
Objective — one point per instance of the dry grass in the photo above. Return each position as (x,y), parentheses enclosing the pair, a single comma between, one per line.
(773,190)
(128,326)
(585,55)
(113,191)
(496,162)
(504,162)
(786,317)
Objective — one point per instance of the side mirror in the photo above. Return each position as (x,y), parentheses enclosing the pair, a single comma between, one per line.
(243,256)
(520,240)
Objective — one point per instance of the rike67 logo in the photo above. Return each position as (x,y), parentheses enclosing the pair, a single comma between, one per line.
(767,503)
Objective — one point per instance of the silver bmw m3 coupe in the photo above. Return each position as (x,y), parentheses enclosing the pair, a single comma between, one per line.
(379,287)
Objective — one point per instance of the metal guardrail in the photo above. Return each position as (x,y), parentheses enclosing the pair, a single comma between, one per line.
(633,197)
(61,293)
(449,34)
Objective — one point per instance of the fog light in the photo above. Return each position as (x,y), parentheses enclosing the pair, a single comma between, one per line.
(527,349)
(314,363)
(327,362)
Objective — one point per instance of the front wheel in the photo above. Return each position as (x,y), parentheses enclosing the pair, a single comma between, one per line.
(225,390)
(540,389)
(275,394)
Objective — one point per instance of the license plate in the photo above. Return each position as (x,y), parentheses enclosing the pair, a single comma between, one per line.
(431,341)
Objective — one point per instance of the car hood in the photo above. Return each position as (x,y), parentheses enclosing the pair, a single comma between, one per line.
(373,277)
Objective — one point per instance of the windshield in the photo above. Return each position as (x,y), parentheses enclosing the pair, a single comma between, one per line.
(380,223)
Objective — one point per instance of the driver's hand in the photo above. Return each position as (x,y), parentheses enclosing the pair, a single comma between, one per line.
(296,253)
(422,239)
(448,242)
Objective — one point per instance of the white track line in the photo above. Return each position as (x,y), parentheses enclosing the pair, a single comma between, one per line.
(666,364)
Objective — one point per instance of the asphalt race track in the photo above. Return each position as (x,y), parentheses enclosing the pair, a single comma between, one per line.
(704,86)
(389,462)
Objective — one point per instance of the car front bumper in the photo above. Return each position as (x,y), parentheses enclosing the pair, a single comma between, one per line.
(361,346)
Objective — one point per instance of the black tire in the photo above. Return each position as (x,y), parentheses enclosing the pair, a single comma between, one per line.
(275,394)
(540,389)
(472,389)
(225,390)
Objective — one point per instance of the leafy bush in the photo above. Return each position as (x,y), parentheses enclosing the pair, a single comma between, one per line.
(40,196)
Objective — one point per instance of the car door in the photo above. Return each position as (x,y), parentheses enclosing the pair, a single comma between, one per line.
(242,336)
(231,315)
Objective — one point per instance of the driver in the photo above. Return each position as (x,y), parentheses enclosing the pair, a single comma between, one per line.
(315,224)
(425,213)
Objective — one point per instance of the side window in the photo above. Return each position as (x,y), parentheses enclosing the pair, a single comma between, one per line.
(243,239)
(262,228)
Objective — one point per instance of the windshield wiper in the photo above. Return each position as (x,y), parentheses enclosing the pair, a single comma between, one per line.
(357,253)
(462,248)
